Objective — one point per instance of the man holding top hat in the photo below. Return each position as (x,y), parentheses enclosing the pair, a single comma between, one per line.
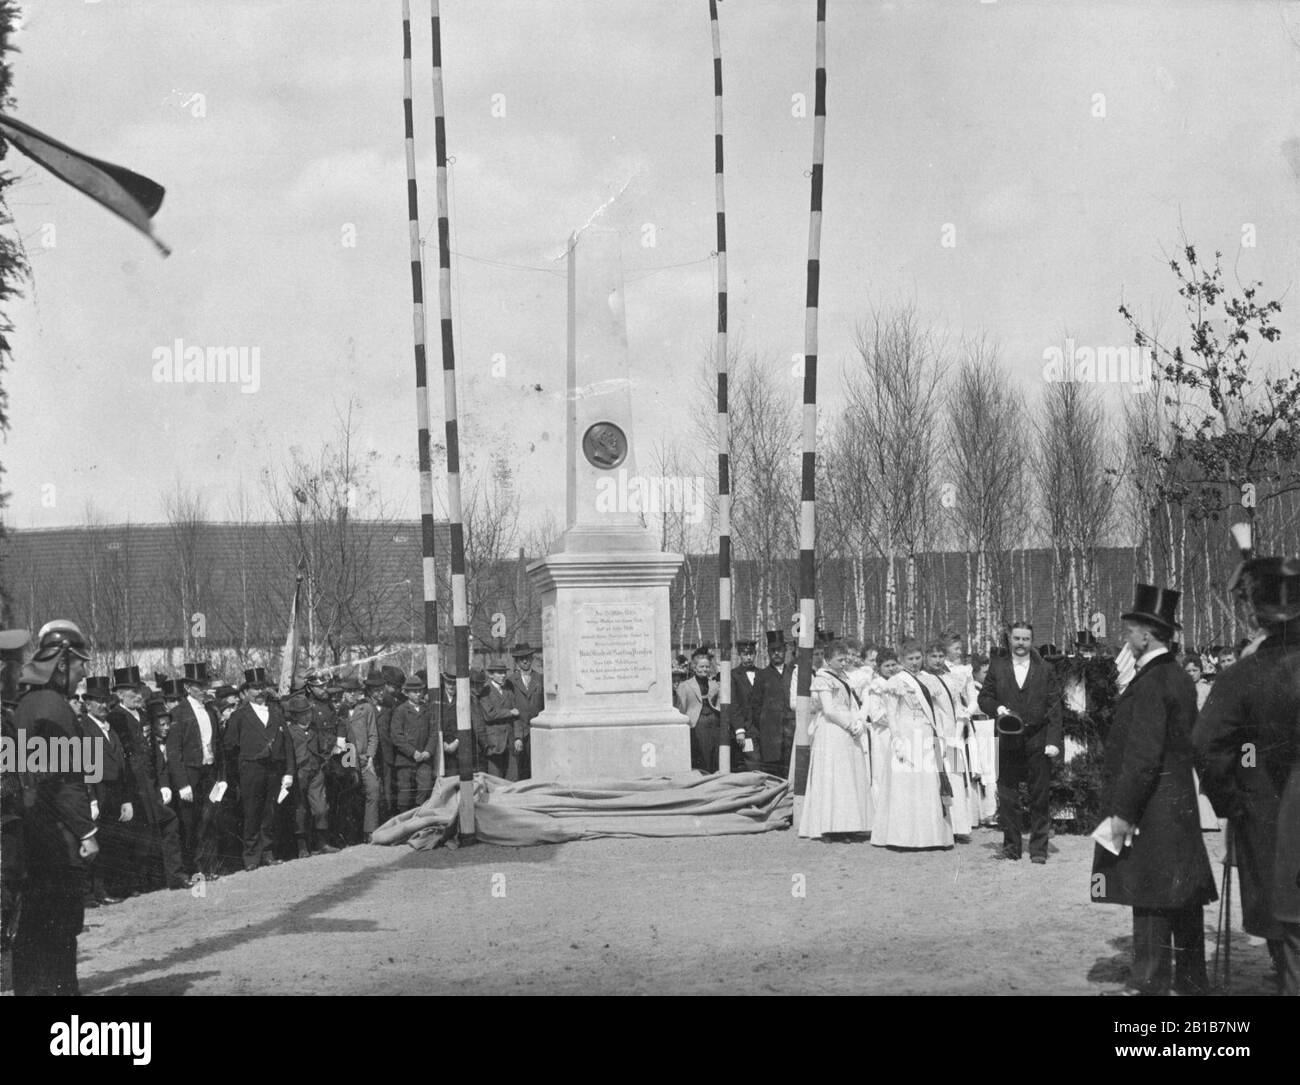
(1022,694)
(1150,856)
(1247,743)
(256,740)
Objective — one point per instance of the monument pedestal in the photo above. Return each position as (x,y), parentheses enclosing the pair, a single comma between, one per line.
(605,638)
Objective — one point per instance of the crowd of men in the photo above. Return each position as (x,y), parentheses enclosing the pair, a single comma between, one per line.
(194,778)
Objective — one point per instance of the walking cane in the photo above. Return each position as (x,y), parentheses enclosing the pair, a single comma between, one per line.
(1223,931)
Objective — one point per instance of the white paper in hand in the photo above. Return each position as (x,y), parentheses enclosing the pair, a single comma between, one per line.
(218,791)
(1109,837)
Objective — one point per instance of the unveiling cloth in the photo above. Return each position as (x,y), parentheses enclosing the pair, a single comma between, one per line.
(535,812)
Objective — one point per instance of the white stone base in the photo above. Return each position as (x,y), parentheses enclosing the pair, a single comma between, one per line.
(609,751)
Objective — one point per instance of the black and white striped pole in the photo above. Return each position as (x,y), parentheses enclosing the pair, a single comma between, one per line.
(808,487)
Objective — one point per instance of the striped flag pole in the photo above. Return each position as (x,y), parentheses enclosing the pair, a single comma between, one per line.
(808,489)
(724,429)
(459,599)
(428,566)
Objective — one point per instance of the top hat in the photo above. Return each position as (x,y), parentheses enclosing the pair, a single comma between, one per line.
(375,680)
(1271,585)
(159,678)
(1084,639)
(1154,606)
(126,678)
(822,638)
(523,648)
(775,639)
(173,689)
(1009,724)
(746,645)
(1049,651)
(196,672)
(225,692)
(98,688)
(254,676)
(156,707)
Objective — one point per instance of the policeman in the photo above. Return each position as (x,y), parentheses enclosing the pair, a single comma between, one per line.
(1247,741)
(59,831)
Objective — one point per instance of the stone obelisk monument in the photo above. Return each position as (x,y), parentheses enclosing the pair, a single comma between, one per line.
(605,630)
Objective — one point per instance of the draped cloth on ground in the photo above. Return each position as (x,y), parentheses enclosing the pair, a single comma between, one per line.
(535,812)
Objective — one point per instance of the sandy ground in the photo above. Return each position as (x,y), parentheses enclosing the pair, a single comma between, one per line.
(759,914)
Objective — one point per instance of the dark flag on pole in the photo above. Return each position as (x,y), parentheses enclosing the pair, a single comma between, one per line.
(126,194)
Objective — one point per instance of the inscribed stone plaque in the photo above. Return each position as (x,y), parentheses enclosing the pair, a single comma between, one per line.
(615,647)
(550,652)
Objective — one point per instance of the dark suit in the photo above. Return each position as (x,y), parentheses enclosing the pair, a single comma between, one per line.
(494,728)
(1247,742)
(773,718)
(158,838)
(58,819)
(1022,758)
(186,769)
(114,870)
(740,715)
(308,748)
(1164,875)
(530,702)
(263,753)
(413,731)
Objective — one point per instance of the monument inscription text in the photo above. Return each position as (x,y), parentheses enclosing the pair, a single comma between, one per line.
(615,647)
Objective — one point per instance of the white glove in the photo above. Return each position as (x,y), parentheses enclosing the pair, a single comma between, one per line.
(286,782)
(127,813)
(218,791)
(187,794)
(166,793)
(340,744)
(1051,751)
(94,810)
(1003,710)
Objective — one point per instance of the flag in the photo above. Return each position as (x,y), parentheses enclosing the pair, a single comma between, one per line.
(126,194)
(289,658)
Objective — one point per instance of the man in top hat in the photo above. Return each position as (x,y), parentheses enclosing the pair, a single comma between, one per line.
(158,839)
(59,833)
(1247,742)
(740,713)
(1023,684)
(113,876)
(525,685)
(697,700)
(496,723)
(415,751)
(196,762)
(773,718)
(1161,870)
(256,740)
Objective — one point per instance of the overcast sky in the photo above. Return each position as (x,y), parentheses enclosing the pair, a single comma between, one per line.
(276,129)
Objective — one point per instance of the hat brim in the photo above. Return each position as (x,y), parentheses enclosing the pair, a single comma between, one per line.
(1150,619)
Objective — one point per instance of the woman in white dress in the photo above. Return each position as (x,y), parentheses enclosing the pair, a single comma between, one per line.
(910,812)
(838,800)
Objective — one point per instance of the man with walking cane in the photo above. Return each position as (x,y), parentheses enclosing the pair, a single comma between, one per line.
(1150,855)
(1247,742)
